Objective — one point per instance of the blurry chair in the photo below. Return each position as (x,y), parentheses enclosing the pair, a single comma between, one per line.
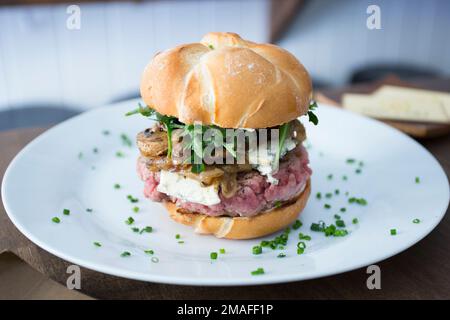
(34,116)
(378,72)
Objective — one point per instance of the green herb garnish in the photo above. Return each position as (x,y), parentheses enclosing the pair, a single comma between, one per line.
(393,232)
(355,220)
(340,223)
(257,272)
(125,254)
(129,221)
(97,244)
(56,220)
(319,195)
(417,180)
(222,251)
(213,255)
(89,210)
(302,236)
(146,229)
(281,255)
(132,199)
(117,186)
(360,201)
(257,250)
(120,154)
(150,252)
(126,140)
(297,224)
(66,212)
(416,221)
(311,116)
(135,209)
(327,206)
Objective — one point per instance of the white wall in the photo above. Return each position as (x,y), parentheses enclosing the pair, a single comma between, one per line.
(331,37)
(42,61)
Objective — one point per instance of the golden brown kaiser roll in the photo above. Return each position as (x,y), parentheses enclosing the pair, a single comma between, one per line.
(243,227)
(227,81)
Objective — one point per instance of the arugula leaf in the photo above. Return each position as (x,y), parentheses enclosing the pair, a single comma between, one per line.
(145,111)
(311,116)
(283,131)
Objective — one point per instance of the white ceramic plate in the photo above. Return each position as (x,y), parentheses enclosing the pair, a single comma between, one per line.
(48,176)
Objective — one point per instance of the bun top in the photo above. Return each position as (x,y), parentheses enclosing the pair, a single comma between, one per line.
(227,81)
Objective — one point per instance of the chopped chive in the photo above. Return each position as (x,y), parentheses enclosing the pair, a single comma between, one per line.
(180,242)
(316,227)
(147,229)
(297,224)
(211,46)
(328,195)
(80,155)
(222,251)
(361,164)
(336,216)
(136,209)
(105,132)
(132,199)
(278,204)
(358,171)
(336,192)
(345,178)
(319,195)
(340,233)
(116,186)
(257,250)
(417,180)
(125,254)
(302,236)
(343,209)
(129,221)
(393,232)
(126,140)
(355,220)
(149,252)
(340,223)
(281,255)
(97,244)
(416,220)
(330,176)
(327,206)
(66,212)
(350,160)
(257,272)
(213,255)
(135,229)
(95,150)
(177,236)
(56,220)
(360,201)
(89,210)
(120,154)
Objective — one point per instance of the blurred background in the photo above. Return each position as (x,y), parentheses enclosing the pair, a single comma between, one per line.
(49,62)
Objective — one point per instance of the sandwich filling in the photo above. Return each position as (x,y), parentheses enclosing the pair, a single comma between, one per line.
(265,181)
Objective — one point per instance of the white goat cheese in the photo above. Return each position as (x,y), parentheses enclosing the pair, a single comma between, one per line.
(178,186)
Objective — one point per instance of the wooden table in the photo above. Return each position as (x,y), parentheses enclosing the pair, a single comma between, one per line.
(421,272)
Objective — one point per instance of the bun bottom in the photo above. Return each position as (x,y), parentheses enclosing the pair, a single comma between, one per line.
(242,227)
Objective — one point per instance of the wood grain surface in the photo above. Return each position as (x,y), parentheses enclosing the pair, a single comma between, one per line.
(421,272)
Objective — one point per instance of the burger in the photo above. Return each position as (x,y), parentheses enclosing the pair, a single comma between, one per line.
(226,84)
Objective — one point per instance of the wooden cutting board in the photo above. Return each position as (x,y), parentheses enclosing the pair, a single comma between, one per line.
(415,129)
